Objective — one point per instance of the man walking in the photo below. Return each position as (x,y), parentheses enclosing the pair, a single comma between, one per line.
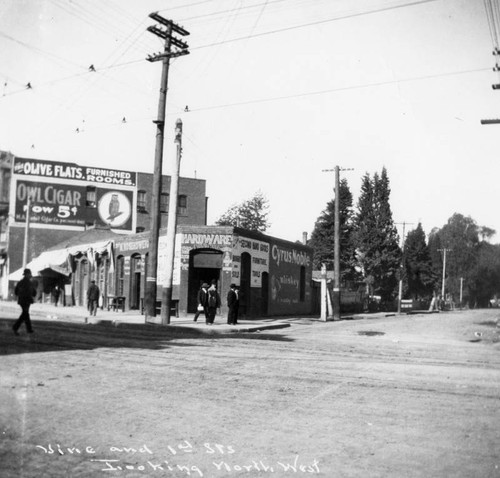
(213,303)
(232,304)
(25,291)
(202,302)
(93,298)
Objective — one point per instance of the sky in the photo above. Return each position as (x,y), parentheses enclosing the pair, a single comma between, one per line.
(278,91)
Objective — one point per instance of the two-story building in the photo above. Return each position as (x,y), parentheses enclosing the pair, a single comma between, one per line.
(50,201)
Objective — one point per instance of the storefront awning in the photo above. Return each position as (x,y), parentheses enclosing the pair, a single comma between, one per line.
(53,261)
(58,261)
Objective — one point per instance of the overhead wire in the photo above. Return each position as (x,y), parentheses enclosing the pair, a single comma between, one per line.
(335,90)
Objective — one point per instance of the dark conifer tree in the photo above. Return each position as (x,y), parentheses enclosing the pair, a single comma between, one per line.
(420,279)
(378,250)
(323,235)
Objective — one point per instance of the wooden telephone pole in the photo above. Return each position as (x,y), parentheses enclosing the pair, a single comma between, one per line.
(173,47)
(401,269)
(336,246)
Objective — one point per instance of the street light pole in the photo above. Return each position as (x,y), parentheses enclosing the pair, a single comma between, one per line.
(444,250)
(171,229)
(27,233)
(400,290)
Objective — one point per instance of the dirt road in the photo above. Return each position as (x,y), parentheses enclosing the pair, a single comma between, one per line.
(408,396)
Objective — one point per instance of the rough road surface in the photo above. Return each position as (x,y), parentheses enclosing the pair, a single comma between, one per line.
(402,396)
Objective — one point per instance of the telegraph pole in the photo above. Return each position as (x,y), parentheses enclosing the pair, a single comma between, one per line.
(444,250)
(171,229)
(164,31)
(27,233)
(336,245)
(400,291)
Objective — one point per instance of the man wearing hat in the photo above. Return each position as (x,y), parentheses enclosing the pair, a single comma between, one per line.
(93,298)
(202,301)
(25,291)
(232,304)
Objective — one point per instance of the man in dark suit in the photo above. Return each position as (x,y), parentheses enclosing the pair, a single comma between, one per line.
(232,304)
(202,302)
(25,291)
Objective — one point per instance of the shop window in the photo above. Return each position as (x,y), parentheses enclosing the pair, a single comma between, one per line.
(182,205)
(141,201)
(91,196)
(302,284)
(164,198)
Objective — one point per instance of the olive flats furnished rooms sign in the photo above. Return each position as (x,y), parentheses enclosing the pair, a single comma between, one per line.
(71,171)
(68,196)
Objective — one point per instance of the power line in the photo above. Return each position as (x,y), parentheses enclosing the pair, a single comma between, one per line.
(317,22)
(336,90)
(271,32)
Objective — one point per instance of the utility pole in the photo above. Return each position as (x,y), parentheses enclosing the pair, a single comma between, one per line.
(181,48)
(495,86)
(27,233)
(336,246)
(171,229)
(444,250)
(461,289)
(400,291)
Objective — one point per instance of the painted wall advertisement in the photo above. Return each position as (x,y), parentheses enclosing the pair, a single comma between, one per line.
(54,204)
(285,279)
(71,171)
(259,253)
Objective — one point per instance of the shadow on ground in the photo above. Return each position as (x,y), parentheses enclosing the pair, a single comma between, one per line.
(53,336)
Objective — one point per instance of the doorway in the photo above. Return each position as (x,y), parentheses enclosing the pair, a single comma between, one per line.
(204,266)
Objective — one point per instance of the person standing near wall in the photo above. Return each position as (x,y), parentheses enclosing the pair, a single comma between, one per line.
(25,291)
(213,303)
(202,302)
(93,298)
(232,304)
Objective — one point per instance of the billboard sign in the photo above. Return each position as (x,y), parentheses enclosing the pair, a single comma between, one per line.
(72,171)
(57,204)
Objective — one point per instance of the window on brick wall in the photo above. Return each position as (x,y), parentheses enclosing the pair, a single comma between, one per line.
(182,205)
(141,200)
(164,197)
(91,196)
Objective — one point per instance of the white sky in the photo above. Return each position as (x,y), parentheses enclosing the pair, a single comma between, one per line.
(307,85)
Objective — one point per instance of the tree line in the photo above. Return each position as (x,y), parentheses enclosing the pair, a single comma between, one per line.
(372,254)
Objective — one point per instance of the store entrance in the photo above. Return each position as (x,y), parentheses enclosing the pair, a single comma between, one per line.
(204,266)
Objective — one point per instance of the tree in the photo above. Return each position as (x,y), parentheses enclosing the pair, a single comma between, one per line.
(323,235)
(378,252)
(470,259)
(418,265)
(251,214)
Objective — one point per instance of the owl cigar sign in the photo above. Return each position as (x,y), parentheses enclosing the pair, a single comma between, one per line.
(66,196)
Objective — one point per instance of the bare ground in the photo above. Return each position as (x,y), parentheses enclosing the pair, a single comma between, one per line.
(407,396)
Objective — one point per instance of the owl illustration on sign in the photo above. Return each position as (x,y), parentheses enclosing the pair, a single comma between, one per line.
(114,208)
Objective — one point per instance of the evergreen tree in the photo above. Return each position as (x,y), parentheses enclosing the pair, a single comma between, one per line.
(418,265)
(323,235)
(251,214)
(378,251)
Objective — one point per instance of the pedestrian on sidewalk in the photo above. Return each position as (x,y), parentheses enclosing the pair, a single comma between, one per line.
(213,303)
(232,304)
(25,291)
(56,292)
(93,298)
(202,302)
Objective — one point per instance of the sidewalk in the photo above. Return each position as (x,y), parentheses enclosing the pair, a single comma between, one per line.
(133,319)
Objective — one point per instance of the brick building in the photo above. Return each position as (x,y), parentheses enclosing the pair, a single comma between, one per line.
(67,198)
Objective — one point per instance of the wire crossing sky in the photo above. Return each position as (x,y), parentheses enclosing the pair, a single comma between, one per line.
(272,93)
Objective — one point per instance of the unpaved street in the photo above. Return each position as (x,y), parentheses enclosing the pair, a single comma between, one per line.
(408,396)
